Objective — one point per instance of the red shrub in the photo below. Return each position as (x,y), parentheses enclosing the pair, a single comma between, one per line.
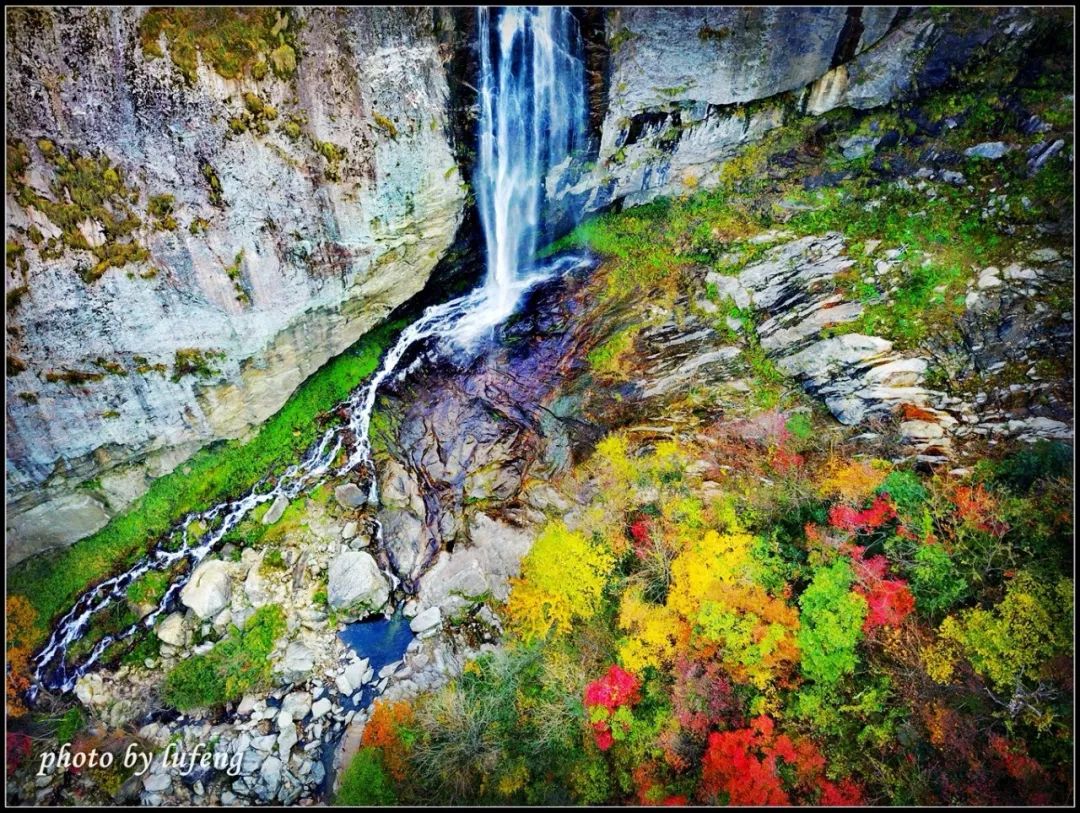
(604,696)
(979,508)
(742,766)
(847,518)
(18,749)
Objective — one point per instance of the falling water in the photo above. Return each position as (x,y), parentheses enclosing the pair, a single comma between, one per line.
(532,118)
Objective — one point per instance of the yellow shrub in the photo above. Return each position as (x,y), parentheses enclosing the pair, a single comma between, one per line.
(852,480)
(713,558)
(654,632)
(562,579)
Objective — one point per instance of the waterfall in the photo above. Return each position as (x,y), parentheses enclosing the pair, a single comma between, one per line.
(532,117)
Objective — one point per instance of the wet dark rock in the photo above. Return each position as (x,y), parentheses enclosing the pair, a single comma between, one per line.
(825,179)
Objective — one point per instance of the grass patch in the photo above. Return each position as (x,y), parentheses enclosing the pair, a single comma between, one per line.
(235,42)
(606,360)
(148,588)
(53,580)
(649,247)
(236,665)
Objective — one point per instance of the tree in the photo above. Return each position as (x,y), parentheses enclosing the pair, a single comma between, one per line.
(758,766)
(562,580)
(387,730)
(608,702)
(1010,643)
(831,624)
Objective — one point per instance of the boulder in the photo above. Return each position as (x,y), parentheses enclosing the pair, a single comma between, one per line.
(858,145)
(297,662)
(286,740)
(209,590)
(297,704)
(349,495)
(429,619)
(90,689)
(320,708)
(157,782)
(356,587)
(276,510)
(270,773)
(171,630)
(992,150)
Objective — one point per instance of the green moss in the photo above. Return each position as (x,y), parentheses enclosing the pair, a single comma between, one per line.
(13,251)
(144,367)
(385,123)
(234,41)
(148,588)
(292,129)
(52,581)
(87,189)
(72,377)
(283,60)
(16,161)
(333,155)
(198,226)
(714,35)
(14,296)
(161,209)
(273,560)
(620,38)
(648,248)
(110,367)
(14,365)
(234,273)
(236,665)
(212,180)
(192,361)
(606,360)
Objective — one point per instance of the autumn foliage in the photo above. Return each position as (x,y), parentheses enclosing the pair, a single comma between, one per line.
(608,701)
(384,730)
(20,617)
(754,621)
(748,766)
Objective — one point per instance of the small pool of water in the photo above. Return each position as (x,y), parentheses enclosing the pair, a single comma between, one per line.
(381,641)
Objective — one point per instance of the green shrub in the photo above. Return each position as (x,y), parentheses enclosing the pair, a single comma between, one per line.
(365,782)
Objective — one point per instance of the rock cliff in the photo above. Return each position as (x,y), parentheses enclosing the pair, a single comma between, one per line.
(685,90)
(200,215)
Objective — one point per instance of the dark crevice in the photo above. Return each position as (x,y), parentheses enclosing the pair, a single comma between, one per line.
(850,35)
(597,56)
(648,121)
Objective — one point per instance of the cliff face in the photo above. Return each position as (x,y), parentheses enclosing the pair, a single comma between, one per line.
(687,89)
(189,237)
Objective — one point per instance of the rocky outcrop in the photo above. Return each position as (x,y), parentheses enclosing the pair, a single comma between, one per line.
(190,247)
(861,377)
(691,88)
